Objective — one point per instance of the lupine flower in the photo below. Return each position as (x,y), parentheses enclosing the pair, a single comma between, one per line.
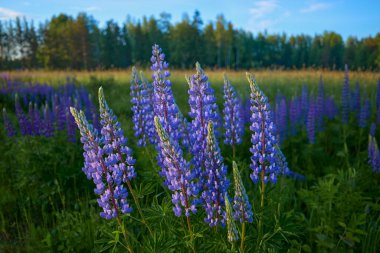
(281,162)
(118,156)
(304,102)
(47,122)
(294,110)
(319,106)
(281,117)
(37,121)
(23,120)
(216,182)
(364,113)
(149,114)
(356,99)
(165,107)
(263,160)
(202,109)
(140,109)
(373,150)
(372,130)
(233,120)
(59,113)
(176,171)
(10,130)
(345,96)
(113,196)
(184,130)
(242,207)
(330,107)
(310,124)
(232,233)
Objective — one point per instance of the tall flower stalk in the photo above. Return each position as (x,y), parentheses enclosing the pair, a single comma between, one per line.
(232,233)
(216,182)
(8,124)
(233,120)
(242,207)
(119,156)
(263,138)
(178,176)
(143,122)
(202,109)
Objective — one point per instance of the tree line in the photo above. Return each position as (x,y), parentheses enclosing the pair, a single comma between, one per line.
(67,42)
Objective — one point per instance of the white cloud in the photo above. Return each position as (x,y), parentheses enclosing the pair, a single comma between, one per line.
(316,7)
(265,15)
(92,8)
(6,14)
(263,8)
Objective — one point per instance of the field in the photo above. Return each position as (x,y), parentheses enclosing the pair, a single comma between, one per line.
(332,204)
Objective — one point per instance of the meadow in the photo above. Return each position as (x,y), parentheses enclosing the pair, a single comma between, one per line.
(48,205)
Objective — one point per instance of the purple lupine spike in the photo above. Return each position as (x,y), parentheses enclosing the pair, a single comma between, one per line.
(107,178)
(48,130)
(176,171)
(304,103)
(330,107)
(372,130)
(139,109)
(23,120)
(149,114)
(9,129)
(356,99)
(163,100)
(37,121)
(242,207)
(373,150)
(281,162)
(365,113)
(233,120)
(118,154)
(247,110)
(184,130)
(310,124)
(345,96)
(293,116)
(281,115)
(263,160)
(319,106)
(216,182)
(202,109)
(59,113)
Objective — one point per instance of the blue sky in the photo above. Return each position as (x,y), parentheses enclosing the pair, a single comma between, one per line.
(347,17)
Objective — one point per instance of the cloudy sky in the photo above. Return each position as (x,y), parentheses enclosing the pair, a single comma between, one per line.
(347,17)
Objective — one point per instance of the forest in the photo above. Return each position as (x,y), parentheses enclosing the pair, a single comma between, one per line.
(80,43)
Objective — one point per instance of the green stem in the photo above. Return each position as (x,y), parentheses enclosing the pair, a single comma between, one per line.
(124,233)
(260,224)
(138,206)
(191,233)
(233,152)
(242,237)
